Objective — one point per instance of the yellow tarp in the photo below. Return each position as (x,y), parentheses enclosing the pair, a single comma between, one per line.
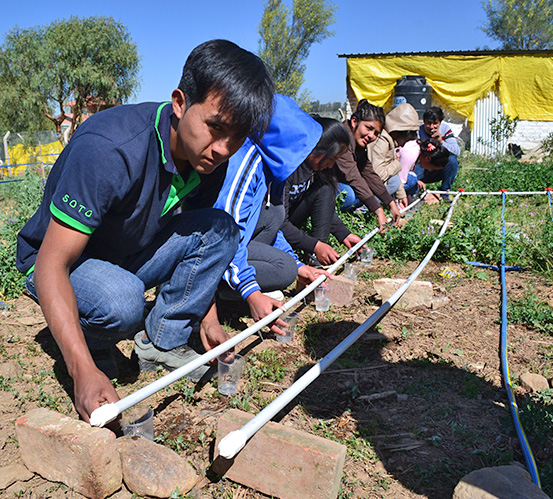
(523,83)
(20,156)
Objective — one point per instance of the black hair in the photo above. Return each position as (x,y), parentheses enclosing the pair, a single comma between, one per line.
(433,114)
(368,112)
(238,77)
(403,136)
(334,137)
(438,154)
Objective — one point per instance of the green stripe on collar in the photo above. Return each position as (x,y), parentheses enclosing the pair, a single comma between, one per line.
(158,116)
(180,189)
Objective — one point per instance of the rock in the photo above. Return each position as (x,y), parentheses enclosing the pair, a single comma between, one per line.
(534,382)
(10,370)
(341,290)
(13,473)
(150,469)
(419,293)
(62,449)
(439,302)
(501,482)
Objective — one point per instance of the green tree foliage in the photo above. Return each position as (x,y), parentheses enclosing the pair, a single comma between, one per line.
(284,45)
(83,61)
(520,24)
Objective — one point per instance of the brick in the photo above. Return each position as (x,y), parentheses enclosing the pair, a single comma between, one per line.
(281,461)
(62,449)
(419,293)
(341,290)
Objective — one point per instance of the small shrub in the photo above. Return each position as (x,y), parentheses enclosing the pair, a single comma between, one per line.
(532,312)
(20,200)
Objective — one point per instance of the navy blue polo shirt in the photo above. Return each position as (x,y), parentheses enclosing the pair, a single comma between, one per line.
(116,181)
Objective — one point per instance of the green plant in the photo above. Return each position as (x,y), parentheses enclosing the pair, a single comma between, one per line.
(547,145)
(531,312)
(20,200)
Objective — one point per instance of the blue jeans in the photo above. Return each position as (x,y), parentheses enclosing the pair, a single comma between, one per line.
(447,175)
(187,261)
(351,202)
(411,187)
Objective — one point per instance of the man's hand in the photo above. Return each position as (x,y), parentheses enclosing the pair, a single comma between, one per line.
(436,135)
(307,274)
(421,185)
(212,334)
(91,389)
(261,306)
(351,240)
(396,215)
(403,203)
(325,253)
(381,219)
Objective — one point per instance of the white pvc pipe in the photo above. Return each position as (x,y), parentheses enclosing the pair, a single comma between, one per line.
(7,151)
(108,412)
(495,193)
(232,443)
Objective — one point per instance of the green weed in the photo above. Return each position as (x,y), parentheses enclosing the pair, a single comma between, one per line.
(531,312)
(19,201)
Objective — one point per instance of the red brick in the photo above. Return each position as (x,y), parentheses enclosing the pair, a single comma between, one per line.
(62,449)
(341,290)
(281,461)
(419,293)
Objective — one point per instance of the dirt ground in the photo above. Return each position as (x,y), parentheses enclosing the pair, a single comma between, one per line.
(418,408)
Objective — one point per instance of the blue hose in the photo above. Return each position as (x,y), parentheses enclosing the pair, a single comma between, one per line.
(7,181)
(550,205)
(528,456)
(494,267)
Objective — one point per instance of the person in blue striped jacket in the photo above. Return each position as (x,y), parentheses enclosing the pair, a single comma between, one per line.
(265,261)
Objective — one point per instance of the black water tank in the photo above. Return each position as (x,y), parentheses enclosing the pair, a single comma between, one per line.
(414,90)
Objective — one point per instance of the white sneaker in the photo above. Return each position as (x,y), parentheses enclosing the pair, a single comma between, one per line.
(277,295)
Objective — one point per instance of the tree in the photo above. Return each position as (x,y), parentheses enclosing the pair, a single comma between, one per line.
(284,46)
(520,24)
(76,62)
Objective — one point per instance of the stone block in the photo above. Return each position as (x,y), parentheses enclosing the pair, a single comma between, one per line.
(62,449)
(341,290)
(281,461)
(150,469)
(499,482)
(419,293)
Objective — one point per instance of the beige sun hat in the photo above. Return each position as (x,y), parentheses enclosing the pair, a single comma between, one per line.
(402,117)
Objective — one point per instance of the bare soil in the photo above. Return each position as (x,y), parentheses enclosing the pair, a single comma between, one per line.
(419,406)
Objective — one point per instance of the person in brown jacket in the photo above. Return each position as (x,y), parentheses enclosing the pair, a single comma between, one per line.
(402,124)
(356,174)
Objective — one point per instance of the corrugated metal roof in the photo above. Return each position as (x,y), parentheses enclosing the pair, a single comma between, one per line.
(454,52)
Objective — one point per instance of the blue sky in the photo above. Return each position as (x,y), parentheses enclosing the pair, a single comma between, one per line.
(166,31)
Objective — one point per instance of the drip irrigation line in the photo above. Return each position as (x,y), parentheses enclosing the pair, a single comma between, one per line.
(8,181)
(527,451)
(494,267)
(550,205)
(232,443)
(108,412)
